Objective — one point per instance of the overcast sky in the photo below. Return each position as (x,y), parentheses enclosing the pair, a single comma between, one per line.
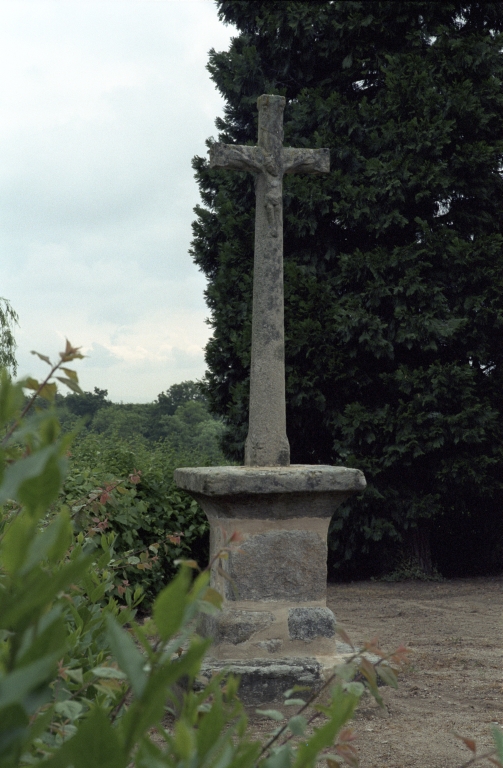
(103,104)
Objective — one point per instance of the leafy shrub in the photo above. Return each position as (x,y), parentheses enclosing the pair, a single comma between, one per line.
(86,403)
(129,489)
(179,394)
(127,421)
(179,417)
(78,689)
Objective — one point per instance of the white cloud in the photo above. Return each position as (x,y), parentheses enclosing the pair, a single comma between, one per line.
(100,357)
(102,106)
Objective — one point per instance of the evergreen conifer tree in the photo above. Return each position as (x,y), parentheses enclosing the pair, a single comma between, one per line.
(393,262)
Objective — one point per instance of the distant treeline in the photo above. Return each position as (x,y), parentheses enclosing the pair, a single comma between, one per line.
(179,416)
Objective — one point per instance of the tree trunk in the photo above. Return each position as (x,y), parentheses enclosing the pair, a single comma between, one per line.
(417,545)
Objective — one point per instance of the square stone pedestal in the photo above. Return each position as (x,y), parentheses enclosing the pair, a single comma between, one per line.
(275,629)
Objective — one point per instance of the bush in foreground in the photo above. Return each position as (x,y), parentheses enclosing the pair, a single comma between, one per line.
(84,685)
(127,489)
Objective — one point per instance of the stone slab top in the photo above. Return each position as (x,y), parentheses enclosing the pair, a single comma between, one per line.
(297,478)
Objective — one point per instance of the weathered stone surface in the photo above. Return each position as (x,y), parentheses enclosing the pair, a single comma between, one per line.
(271,646)
(267,443)
(280,565)
(264,680)
(244,481)
(270,492)
(310,623)
(234,626)
(281,512)
(280,506)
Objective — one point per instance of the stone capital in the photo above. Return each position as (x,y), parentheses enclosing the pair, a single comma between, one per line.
(294,479)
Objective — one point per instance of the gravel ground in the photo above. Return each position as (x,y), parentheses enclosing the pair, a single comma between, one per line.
(454,681)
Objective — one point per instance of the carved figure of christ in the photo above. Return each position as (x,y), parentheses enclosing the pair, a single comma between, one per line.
(267,443)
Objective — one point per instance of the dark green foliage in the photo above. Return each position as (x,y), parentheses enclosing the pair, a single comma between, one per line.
(147,513)
(128,421)
(191,427)
(88,403)
(81,683)
(155,524)
(393,263)
(179,417)
(178,394)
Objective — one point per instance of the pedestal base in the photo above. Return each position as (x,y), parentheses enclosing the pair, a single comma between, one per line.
(265,681)
(260,630)
(275,628)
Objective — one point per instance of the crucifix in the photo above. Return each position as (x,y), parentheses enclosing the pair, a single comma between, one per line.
(267,444)
(275,629)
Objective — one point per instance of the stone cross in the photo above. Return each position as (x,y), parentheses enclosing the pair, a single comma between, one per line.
(267,443)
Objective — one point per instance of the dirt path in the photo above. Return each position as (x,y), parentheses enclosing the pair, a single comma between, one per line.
(454,683)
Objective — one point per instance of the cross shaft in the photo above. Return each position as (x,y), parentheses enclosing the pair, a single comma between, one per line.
(267,443)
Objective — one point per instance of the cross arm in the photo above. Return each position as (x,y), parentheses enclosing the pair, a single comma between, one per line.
(238,157)
(306,160)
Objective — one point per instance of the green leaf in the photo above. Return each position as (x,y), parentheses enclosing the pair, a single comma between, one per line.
(96,594)
(38,589)
(358,689)
(297,725)
(13,731)
(225,758)
(23,470)
(47,636)
(149,755)
(16,686)
(387,675)
(368,671)
(199,585)
(76,675)
(340,710)
(30,383)
(184,741)
(282,757)
(210,729)
(497,735)
(48,391)
(34,481)
(346,671)
(71,384)
(51,544)
(69,709)
(127,655)
(15,543)
(274,714)
(213,597)
(95,745)
(42,357)
(11,398)
(71,374)
(109,672)
(296,689)
(170,605)
(149,710)
(42,722)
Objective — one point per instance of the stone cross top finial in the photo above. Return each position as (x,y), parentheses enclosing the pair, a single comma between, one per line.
(267,443)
